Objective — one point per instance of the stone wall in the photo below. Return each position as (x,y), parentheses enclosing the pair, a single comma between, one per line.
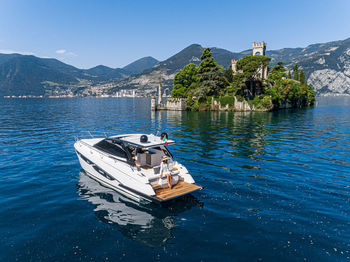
(177,104)
(242,106)
(239,106)
(173,104)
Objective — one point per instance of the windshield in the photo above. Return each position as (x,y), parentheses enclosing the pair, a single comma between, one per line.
(111,147)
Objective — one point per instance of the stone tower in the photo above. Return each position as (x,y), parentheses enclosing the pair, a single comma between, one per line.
(160,90)
(259,48)
(234,65)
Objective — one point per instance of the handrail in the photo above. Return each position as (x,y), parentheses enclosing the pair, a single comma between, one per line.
(92,134)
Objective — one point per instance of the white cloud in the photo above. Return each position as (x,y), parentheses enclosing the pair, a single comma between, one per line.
(65,52)
(7,51)
(60,51)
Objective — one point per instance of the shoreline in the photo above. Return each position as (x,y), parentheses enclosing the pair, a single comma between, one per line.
(24,96)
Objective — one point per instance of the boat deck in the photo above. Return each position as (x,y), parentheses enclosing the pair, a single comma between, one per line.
(181,188)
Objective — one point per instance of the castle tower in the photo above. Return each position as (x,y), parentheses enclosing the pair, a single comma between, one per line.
(259,48)
(234,65)
(160,90)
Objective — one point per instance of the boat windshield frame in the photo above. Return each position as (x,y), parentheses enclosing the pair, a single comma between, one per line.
(133,140)
(119,143)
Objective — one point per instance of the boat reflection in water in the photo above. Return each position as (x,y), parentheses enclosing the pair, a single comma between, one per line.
(150,223)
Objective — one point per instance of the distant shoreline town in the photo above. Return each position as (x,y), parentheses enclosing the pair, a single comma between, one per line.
(119,94)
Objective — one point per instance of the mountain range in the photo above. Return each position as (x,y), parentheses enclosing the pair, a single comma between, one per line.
(327,68)
(31,75)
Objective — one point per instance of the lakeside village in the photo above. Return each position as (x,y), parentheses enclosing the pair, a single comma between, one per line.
(248,84)
(97,91)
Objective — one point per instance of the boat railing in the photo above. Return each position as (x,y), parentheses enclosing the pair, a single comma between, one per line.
(90,134)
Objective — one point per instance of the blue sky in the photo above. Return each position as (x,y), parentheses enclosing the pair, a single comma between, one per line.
(115,33)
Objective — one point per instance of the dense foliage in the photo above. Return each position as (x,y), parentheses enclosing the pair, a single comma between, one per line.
(200,84)
(249,66)
(201,81)
(184,80)
(285,92)
(211,80)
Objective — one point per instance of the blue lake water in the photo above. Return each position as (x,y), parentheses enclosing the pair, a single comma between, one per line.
(276,185)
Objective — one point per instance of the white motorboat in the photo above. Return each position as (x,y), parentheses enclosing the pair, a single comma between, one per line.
(138,165)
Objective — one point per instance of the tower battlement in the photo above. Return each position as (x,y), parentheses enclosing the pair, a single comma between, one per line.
(259,48)
(260,44)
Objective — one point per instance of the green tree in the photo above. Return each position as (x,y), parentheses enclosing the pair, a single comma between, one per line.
(294,94)
(250,73)
(289,75)
(302,76)
(238,81)
(296,72)
(211,79)
(251,65)
(311,97)
(276,73)
(184,79)
(276,95)
(178,91)
(228,74)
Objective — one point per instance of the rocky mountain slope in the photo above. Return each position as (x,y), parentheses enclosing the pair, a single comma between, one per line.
(327,67)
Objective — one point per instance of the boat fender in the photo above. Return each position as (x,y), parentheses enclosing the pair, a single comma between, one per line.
(143,139)
(164,135)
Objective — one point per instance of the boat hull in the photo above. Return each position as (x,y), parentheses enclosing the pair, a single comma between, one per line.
(121,177)
(94,174)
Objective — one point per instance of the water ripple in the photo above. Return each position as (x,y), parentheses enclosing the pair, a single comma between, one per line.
(276,184)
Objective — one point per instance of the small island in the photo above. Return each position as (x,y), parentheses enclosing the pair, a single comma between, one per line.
(248,84)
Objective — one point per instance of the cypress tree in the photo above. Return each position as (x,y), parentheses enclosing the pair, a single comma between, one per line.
(211,80)
(302,76)
(296,72)
(289,75)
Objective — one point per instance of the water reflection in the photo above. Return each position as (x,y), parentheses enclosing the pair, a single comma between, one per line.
(150,224)
(241,133)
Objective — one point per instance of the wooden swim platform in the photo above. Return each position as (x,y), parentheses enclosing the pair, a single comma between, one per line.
(181,188)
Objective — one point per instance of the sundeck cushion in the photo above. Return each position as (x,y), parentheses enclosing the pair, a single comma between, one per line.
(141,159)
